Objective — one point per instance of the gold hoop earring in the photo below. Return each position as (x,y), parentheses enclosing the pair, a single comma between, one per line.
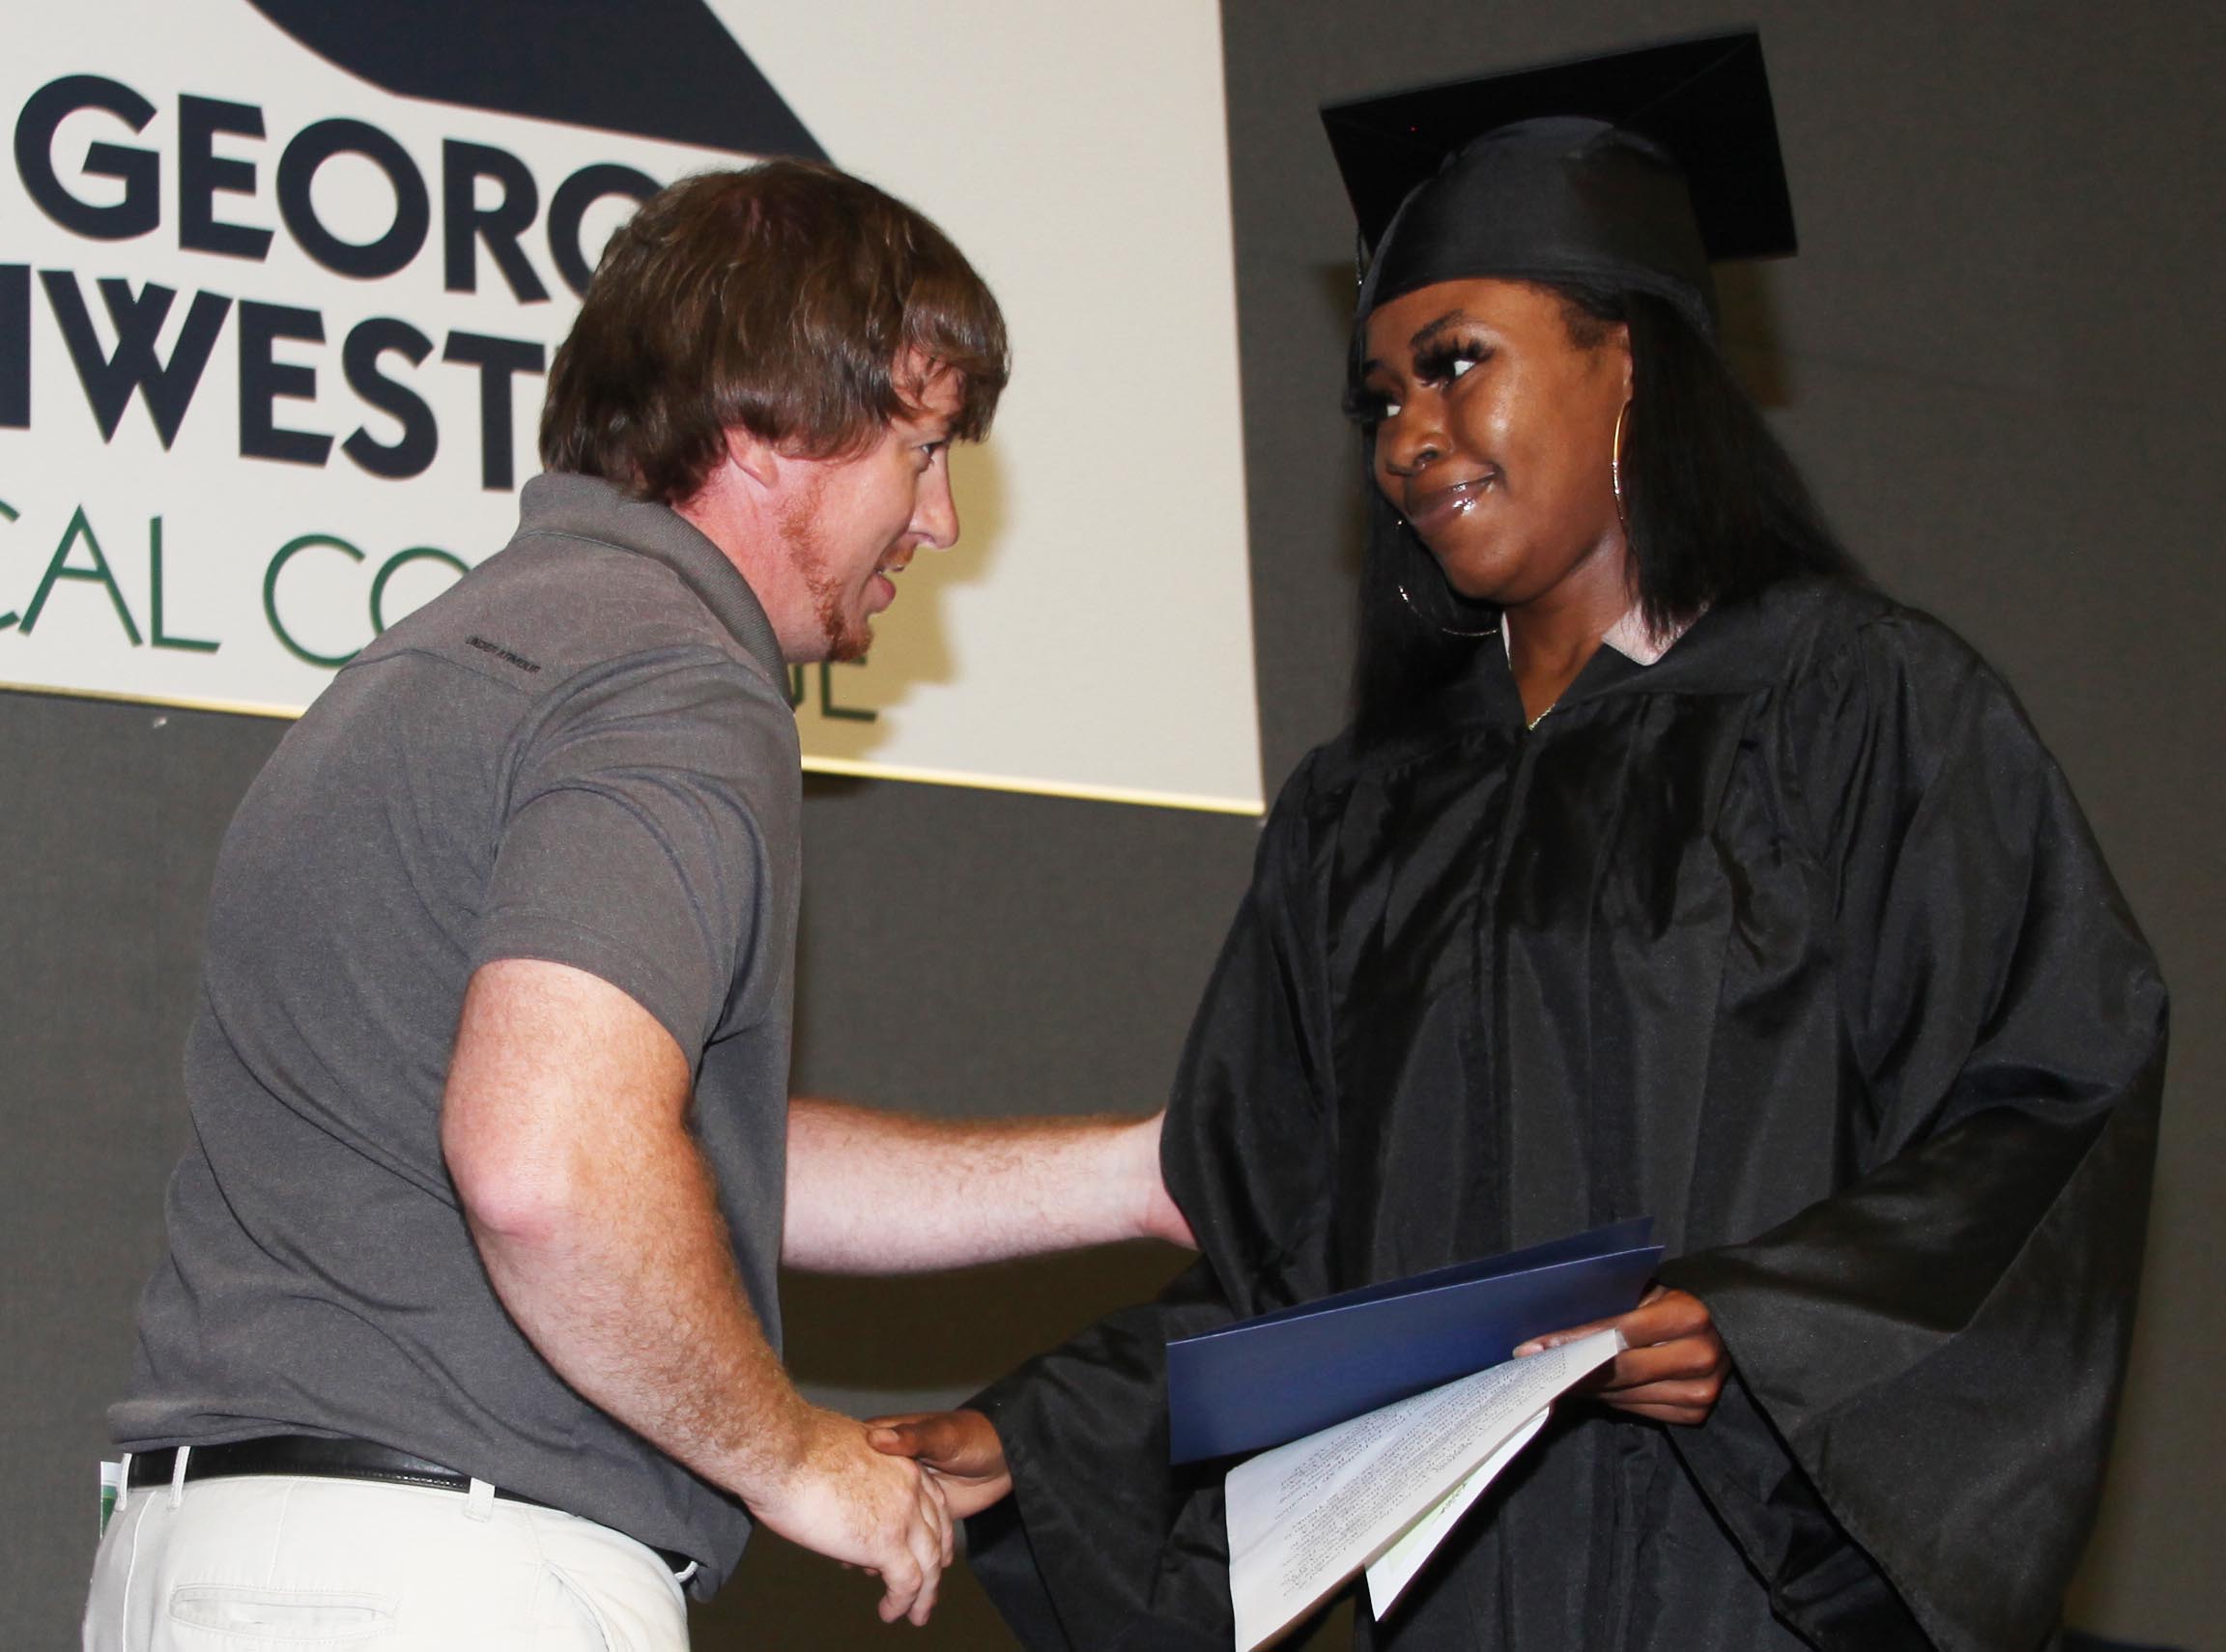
(1401,588)
(1615,470)
(1413,608)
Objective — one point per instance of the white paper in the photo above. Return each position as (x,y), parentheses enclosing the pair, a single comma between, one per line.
(1306,1517)
(1389,1574)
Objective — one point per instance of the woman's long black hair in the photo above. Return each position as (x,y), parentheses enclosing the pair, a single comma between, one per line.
(1714,507)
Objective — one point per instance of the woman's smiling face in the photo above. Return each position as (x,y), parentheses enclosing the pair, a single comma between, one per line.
(1492,424)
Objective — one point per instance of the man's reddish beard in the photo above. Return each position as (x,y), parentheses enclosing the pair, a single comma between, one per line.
(800,529)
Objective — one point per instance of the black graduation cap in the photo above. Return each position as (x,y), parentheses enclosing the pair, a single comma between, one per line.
(1636,168)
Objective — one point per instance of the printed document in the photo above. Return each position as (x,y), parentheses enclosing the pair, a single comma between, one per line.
(1306,1517)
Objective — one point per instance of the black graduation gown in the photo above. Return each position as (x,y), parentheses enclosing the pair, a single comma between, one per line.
(1795,941)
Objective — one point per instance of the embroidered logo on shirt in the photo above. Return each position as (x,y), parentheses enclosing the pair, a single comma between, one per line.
(502,653)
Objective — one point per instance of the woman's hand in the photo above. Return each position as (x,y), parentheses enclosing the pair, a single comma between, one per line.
(961,1450)
(1673,1366)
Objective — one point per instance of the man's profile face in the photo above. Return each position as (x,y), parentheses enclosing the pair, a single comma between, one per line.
(852,523)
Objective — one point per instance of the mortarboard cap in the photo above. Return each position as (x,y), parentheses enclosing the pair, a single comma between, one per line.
(1636,168)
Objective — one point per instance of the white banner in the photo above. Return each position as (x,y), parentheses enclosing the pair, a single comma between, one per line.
(279,283)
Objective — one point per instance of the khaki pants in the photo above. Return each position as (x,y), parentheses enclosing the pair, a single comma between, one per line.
(225,1565)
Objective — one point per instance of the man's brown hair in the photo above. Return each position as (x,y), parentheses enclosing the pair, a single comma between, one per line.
(785,298)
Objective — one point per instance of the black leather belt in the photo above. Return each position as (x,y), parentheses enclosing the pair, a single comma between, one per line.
(322,1459)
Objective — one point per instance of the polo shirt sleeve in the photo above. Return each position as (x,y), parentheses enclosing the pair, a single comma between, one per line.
(651,811)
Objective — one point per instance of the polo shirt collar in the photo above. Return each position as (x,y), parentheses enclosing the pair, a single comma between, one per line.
(588,507)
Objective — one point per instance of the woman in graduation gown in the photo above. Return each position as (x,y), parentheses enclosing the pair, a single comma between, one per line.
(1667,870)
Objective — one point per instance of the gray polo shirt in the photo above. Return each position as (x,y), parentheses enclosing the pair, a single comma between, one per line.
(581,753)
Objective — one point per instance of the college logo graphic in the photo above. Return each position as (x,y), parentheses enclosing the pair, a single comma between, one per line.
(280,282)
(660,69)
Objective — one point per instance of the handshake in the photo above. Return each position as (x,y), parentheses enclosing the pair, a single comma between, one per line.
(876,1193)
(883,1497)
(883,1192)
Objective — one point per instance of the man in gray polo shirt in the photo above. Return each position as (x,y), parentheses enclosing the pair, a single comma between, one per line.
(468,1331)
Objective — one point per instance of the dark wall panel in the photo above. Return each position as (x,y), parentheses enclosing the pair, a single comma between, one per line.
(110,816)
(1998,357)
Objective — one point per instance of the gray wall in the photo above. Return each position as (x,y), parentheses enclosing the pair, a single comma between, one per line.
(1998,357)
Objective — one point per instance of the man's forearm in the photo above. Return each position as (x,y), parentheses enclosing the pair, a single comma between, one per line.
(606,1246)
(564,1128)
(626,1286)
(633,1297)
(880,1192)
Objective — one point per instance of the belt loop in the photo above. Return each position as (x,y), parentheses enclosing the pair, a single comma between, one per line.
(124,1484)
(688,1571)
(180,1458)
(479,1503)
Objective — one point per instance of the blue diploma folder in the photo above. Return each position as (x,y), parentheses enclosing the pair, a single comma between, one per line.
(1281,1376)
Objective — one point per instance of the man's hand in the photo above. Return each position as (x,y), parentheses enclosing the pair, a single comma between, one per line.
(1674,1367)
(959,1449)
(877,1512)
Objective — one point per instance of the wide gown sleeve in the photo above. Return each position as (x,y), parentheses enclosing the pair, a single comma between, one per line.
(1103,1544)
(1940,1347)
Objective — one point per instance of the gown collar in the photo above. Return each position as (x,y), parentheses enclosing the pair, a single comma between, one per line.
(1631,637)
(1733,648)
